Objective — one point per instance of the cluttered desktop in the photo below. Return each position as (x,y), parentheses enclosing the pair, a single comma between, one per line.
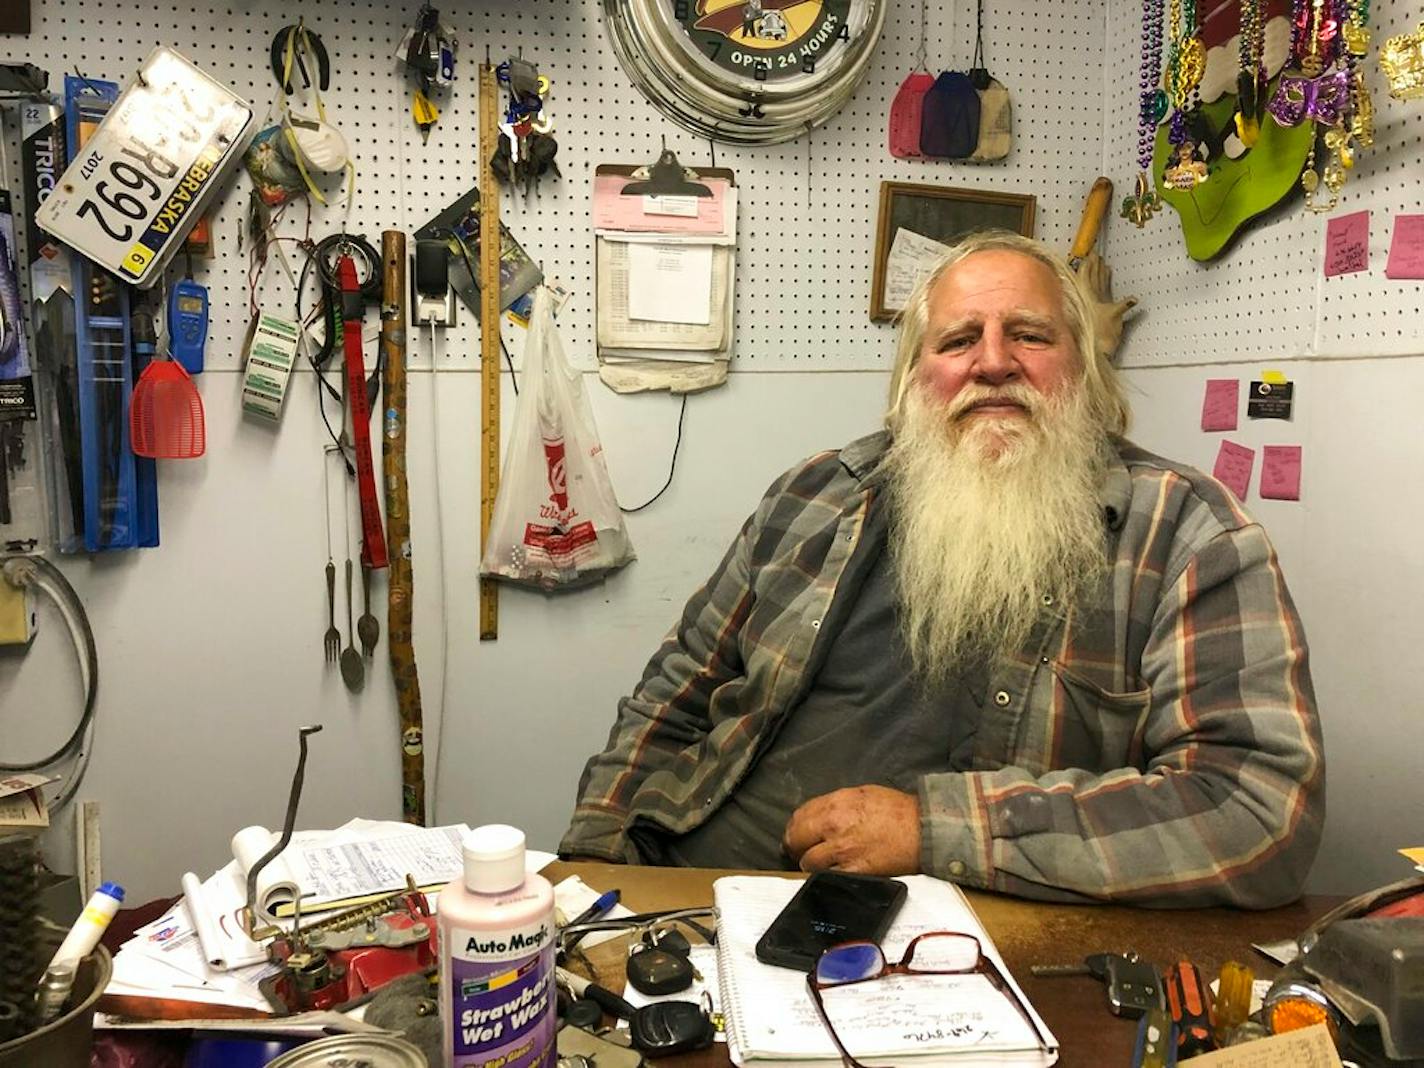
(385,944)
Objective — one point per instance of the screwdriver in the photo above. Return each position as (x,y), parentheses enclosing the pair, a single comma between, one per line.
(1156,1041)
(1233,998)
(1190,1004)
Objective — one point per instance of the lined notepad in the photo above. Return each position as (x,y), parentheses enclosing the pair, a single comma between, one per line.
(919,1020)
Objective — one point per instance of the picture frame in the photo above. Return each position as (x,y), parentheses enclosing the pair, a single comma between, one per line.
(942,214)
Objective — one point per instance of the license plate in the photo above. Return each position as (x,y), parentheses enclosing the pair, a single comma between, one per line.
(130,197)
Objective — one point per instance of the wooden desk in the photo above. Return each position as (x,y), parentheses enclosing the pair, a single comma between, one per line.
(1026,934)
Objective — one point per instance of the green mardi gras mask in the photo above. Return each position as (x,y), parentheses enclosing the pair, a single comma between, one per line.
(1238,190)
(1241,189)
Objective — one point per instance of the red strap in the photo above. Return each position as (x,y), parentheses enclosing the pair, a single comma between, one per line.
(373,539)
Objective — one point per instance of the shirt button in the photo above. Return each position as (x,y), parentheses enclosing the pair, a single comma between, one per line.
(1002,698)
(956,867)
(1047,599)
(1043,659)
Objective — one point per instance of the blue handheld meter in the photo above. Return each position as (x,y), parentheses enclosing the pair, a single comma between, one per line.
(188,324)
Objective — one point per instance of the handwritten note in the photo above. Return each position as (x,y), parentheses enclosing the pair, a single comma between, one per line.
(1310,1047)
(1347,244)
(1233,467)
(912,256)
(1406,248)
(1222,401)
(1280,472)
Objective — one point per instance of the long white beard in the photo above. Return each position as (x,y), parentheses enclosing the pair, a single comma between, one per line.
(988,517)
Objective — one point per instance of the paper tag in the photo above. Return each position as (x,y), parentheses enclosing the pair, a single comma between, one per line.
(1347,244)
(1270,400)
(21,803)
(268,356)
(1221,403)
(17,784)
(685,207)
(1310,1047)
(1233,467)
(1406,248)
(1280,472)
(1415,854)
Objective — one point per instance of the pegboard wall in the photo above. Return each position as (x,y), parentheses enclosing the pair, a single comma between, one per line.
(1266,296)
(807,220)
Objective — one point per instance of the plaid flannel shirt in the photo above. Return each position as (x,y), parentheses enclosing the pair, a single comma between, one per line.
(1159,744)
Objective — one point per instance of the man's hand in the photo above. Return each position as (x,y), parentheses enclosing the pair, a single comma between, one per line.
(873,830)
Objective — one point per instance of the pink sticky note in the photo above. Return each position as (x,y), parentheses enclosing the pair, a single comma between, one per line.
(1233,467)
(1222,402)
(1406,248)
(1347,244)
(1280,472)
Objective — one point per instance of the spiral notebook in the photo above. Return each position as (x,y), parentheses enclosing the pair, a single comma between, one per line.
(923,1020)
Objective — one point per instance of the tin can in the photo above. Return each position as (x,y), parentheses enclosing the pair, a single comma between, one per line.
(350,1051)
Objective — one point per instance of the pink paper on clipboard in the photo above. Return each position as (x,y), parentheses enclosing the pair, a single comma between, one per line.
(613,211)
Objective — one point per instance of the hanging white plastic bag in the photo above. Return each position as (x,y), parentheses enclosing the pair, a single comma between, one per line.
(556,521)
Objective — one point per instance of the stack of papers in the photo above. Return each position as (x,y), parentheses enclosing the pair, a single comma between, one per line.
(197,950)
(666,268)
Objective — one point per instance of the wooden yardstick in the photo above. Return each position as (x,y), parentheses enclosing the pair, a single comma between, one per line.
(489,339)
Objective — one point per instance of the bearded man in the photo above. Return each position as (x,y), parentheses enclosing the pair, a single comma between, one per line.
(996,643)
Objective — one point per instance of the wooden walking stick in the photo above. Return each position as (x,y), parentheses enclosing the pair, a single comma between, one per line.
(401,584)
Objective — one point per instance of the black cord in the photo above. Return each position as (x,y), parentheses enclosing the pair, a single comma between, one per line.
(91,652)
(509,361)
(672,466)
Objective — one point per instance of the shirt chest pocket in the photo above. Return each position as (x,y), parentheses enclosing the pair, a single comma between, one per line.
(1096,728)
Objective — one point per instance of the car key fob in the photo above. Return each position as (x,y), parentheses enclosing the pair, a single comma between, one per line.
(666,1027)
(673,941)
(656,971)
(1134,986)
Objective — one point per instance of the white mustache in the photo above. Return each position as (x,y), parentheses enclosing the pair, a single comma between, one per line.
(978,396)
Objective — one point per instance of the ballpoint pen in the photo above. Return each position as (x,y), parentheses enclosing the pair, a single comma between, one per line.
(602,905)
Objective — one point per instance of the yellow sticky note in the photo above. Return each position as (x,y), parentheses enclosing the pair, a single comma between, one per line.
(1275,378)
(1415,855)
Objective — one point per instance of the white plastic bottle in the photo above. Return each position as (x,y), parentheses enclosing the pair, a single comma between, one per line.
(496,933)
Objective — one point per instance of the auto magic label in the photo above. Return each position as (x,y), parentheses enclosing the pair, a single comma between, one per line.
(499,997)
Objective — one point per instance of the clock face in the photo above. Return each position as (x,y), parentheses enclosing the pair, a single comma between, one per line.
(765,41)
(745,71)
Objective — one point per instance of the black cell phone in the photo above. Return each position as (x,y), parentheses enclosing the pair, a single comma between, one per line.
(831,907)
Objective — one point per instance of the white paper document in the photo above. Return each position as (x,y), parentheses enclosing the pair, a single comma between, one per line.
(618,329)
(912,256)
(355,862)
(683,207)
(670,283)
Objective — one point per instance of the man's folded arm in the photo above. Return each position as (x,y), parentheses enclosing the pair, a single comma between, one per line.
(1230,806)
(668,711)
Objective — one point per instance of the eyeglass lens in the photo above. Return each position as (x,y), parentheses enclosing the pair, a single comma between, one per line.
(857,961)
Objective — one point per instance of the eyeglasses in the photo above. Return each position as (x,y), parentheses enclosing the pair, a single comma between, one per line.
(702,920)
(934,953)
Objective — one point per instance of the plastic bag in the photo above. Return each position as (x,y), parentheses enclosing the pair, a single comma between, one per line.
(556,521)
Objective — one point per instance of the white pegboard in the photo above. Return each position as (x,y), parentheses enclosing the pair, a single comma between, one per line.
(1266,297)
(807,222)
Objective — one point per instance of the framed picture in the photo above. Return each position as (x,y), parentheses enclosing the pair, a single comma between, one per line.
(917,221)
